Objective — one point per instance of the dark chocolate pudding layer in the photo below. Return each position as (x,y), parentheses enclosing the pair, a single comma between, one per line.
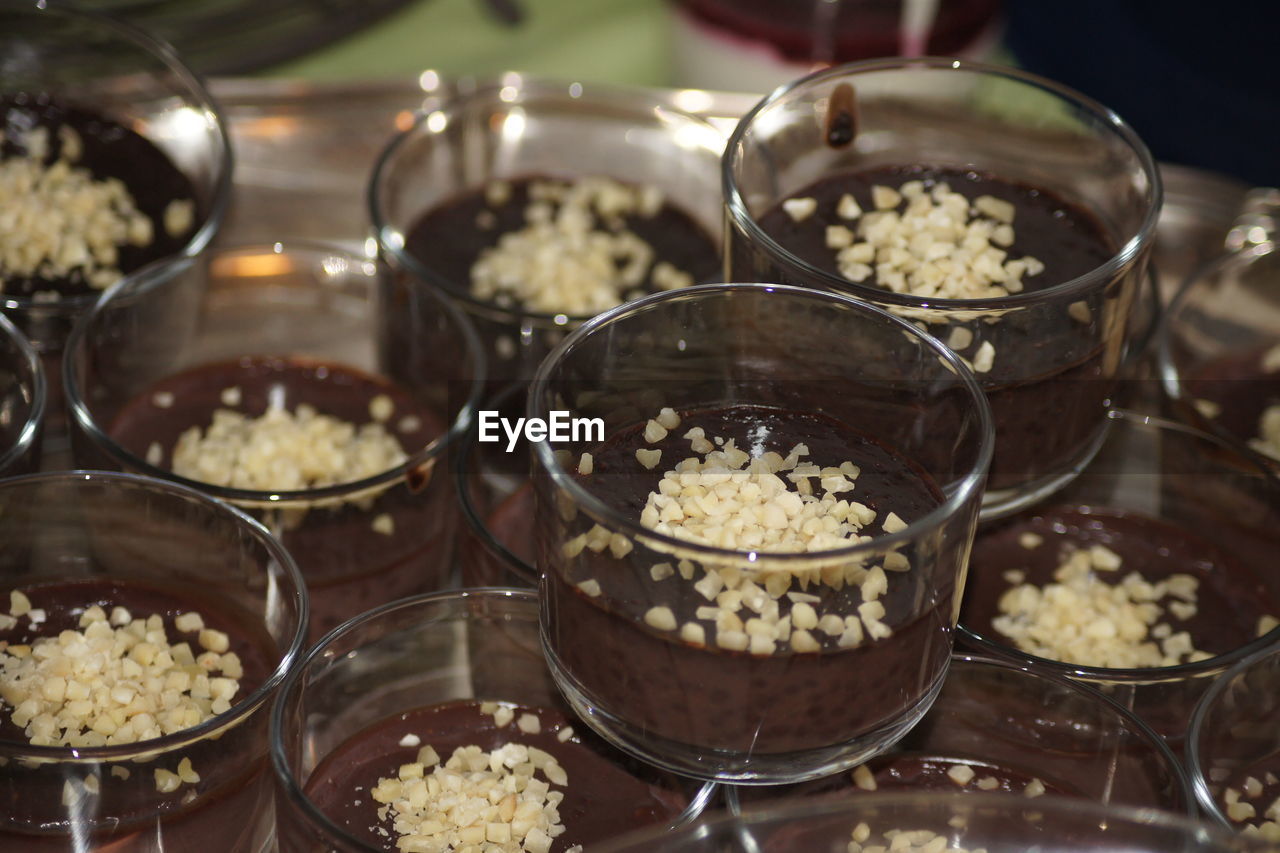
(129,813)
(601,798)
(354,554)
(1230,395)
(1231,601)
(720,698)
(108,151)
(1050,378)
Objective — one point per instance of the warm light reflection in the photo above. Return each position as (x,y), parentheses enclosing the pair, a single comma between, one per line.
(251,266)
(437,121)
(268,126)
(693,100)
(429,80)
(404,120)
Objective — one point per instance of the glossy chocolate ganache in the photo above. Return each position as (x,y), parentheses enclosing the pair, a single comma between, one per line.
(218,424)
(591,794)
(719,656)
(165,672)
(942,234)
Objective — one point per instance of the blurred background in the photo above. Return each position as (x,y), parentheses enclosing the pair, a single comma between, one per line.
(1196,80)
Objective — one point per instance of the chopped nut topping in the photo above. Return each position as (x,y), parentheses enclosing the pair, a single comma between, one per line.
(586,464)
(284,451)
(477,800)
(649,458)
(59,221)
(1083,619)
(574,254)
(961,774)
(863,778)
(1268,440)
(800,209)
(105,685)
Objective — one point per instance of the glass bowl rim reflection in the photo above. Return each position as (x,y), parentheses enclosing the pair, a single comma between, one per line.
(968,488)
(28,356)
(1199,717)
(1207,274)
(241,710)
(297,797)
(198,97)
(589,102)
(740,215)
(163,272)
(1139,675)
(792,812)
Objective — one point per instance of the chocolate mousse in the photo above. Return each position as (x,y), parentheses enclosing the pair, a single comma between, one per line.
(88,199)
(1111,589)
(554,246)
(942,234)
(104,663)
(1239,395)
(304,429)
(573,792)
(785,659)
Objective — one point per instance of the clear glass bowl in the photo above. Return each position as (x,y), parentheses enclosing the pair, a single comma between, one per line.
(23,397)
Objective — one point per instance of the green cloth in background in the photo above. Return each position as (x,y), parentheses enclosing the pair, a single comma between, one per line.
(611,41)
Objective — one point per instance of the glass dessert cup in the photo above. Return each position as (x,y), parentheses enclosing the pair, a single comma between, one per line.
(1085,191)
(1219,349)
(78,538)
(1235,738)
(1167,500)
(23,397)
(772,367)
(966,822)
(1021,732)
(286,344)
(495,495)
(121,74)
(524,130)
(421,667)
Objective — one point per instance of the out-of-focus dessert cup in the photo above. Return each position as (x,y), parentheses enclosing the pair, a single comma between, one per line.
(263,376)
(1196,521)
(1233,748)
(1219,344)
(474,168)
(23,399)
(1009,215)
(647,610)
(140,115)
(88,557)
(446,671)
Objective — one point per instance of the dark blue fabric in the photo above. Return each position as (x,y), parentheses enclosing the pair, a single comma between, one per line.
(1198,80)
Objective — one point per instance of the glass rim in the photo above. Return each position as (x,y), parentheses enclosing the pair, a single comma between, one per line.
(1083,812)
(1228,262)
(163,271)
(242,709)
(39,392)
(1154,674)
(1199,715)
(199,95)
(292,683)
(1139,726)
(1125,255)
(969,485)
(601,97)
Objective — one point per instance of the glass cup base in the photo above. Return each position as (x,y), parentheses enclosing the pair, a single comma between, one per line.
(731,767)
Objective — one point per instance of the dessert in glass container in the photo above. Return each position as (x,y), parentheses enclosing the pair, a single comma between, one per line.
(23,399)
(112,155)
(998,726)
(1219,343)
(935,822)
(144,632)
(1233,748)
(750,571)
(263,376)
(458,738)
(535,206)
(1009,216)
(1147,577)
